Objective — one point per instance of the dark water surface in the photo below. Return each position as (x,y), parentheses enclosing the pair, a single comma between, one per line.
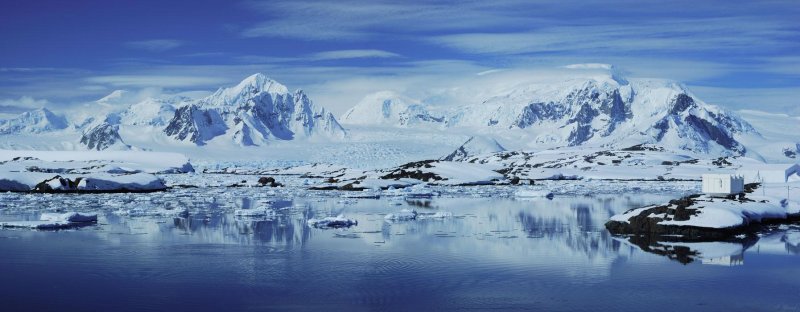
(493,254)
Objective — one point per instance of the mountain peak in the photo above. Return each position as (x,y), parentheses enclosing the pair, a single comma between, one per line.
(254,84)
(261,83)
(115,97)
(256,110)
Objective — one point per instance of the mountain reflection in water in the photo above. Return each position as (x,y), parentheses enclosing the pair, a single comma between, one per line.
(490,253)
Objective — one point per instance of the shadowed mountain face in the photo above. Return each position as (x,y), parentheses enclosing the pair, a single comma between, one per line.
(103,136)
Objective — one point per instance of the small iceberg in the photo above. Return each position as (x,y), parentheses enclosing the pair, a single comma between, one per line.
(418,191)
(534,194)
(437,215)
(258,212)
(54,221)
(403,215)
(332,222)
(150,212)
(365,194)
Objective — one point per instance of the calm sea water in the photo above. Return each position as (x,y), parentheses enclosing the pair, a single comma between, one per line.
(493,254)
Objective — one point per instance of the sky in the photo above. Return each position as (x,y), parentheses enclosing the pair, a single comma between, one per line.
(736,54)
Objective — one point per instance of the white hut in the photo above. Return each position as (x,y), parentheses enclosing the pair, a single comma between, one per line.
(722,184)
(768,173)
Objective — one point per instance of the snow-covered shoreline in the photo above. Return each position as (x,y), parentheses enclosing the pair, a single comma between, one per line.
(702,217)
(87,172)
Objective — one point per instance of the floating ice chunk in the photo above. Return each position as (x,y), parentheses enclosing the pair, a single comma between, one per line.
(526,193)
(68,217)
(419,191)
(403,215)
(258,212)
(149,212)
(332,222)
(363,194)
(54,221)
(437,215)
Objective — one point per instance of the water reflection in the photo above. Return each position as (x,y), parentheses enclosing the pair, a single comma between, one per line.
(249,250)
(541,233)
(782,240)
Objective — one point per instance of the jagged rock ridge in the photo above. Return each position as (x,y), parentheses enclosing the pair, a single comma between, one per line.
(103,136)
(257,111)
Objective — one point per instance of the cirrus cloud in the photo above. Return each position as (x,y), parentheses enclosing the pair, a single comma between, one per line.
(155,45)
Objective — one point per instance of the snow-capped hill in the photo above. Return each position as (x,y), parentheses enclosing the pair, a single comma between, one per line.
(102,137)
(150,112)
(390,108)
(35,121)
(476,145)
(254,112)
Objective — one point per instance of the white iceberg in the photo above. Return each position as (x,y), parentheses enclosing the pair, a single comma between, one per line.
(54,221)
(437,215)
(403,215)
(332,222)
(257,212)
(527,193)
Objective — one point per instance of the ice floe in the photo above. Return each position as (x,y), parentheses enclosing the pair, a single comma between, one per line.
(331,222)
(54,221)
(403,215)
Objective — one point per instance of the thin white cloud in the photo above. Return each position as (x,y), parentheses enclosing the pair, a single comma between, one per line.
(517,26)
(787,65)
(351,54)
(165,81)
(26,69)
(662,37)
(10,107)
(779,100)
(156,45)
(354,20)
(24,102)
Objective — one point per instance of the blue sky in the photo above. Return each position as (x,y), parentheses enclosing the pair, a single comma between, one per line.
(739,54)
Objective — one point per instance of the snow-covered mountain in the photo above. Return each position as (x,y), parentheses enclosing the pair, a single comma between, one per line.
(35,121)
(592,104)
(611,111)
(588,106)
(150,112)
(254,112)
(389,108)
